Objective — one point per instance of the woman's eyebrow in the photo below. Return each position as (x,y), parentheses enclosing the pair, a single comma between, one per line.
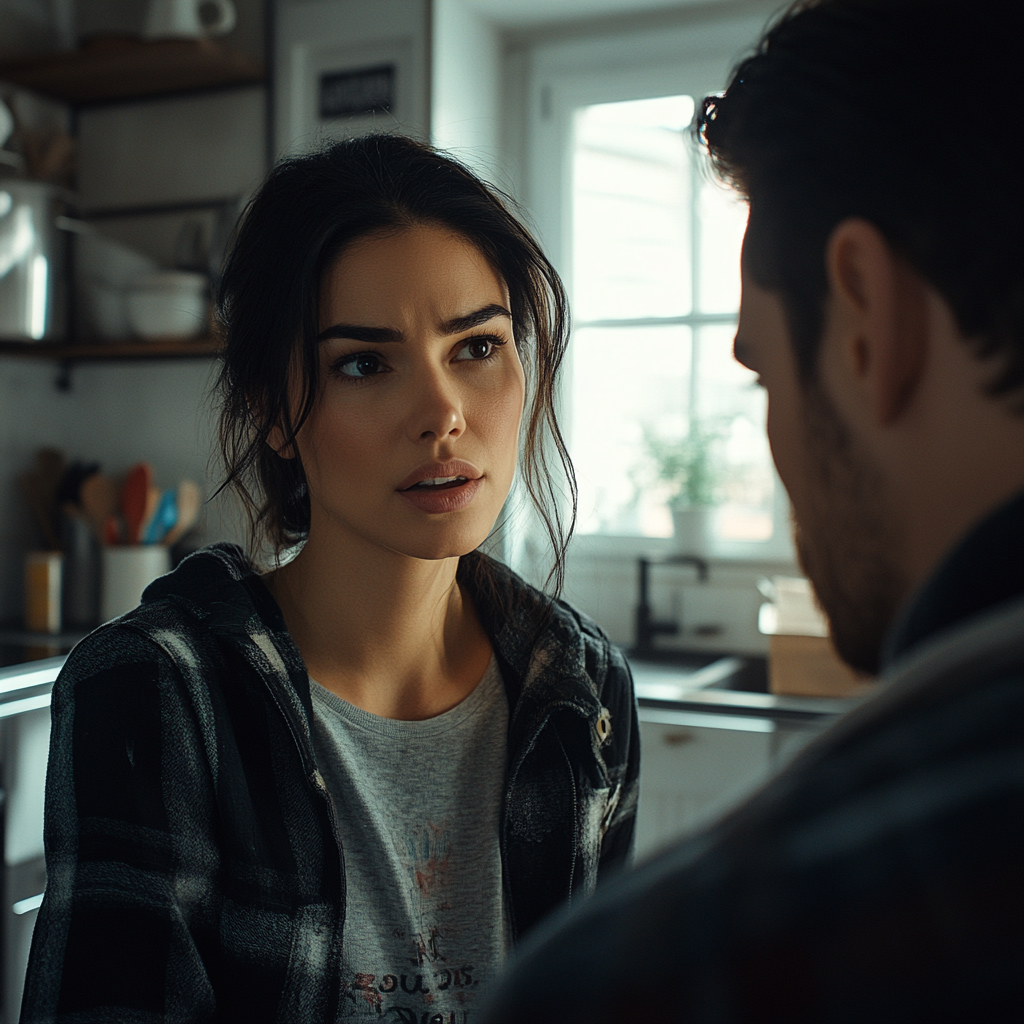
(380,335)
(467,322)
(354,332)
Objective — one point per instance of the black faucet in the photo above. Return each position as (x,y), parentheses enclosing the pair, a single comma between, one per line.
(647,627)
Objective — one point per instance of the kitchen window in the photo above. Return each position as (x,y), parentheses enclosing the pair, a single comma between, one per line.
(648,244)
(655,287)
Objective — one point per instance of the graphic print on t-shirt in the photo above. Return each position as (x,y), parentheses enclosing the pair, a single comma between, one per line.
(419,808)
(428,862)
(427,987)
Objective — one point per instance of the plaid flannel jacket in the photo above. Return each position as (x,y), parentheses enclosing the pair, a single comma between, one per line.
(195,866)
(879,878)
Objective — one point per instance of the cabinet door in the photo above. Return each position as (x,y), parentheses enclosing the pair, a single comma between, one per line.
(22,888)
(692,773)
(26,746)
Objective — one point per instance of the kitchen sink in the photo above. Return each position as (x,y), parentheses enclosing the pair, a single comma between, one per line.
(670,679)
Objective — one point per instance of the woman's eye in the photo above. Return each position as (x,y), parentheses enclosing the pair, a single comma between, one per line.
(363,364)
(478,348)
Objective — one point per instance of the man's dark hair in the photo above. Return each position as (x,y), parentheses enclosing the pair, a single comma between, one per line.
(308,212)
(907,113)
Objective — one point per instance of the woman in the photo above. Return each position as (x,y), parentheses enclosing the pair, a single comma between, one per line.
(340,789)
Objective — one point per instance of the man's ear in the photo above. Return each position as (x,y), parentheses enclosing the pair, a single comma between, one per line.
(881,303)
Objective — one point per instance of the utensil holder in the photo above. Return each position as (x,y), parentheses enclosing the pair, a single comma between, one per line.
(127,571)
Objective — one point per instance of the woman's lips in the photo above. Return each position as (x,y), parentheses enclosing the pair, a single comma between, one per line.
(448,498)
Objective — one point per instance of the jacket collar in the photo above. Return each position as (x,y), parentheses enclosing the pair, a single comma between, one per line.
(985,569)
(540,644)
(219,587)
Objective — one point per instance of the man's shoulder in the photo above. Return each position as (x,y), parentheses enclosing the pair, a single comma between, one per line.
(879,865)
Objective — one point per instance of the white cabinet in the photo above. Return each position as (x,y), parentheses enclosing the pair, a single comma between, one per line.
(696,766)
(24,745)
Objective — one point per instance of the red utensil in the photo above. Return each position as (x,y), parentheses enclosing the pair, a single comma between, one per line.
(112,531)
(134,496)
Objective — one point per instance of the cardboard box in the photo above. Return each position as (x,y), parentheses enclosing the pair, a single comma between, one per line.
(808,666)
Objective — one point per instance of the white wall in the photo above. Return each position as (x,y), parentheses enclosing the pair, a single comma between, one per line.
(313,37)
(466,85)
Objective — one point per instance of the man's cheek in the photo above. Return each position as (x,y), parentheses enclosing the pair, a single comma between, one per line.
(780,440)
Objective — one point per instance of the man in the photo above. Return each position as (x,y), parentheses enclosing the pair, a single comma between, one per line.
(879,143)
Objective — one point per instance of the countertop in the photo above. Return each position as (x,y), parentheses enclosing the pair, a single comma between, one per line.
(27,686)
(666,687)
(701,690)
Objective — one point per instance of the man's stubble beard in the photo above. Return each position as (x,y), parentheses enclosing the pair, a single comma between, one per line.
(845,541)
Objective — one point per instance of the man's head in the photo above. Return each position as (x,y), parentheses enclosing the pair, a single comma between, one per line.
(879,144)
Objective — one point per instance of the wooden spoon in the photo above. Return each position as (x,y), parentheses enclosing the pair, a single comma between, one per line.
(98,498)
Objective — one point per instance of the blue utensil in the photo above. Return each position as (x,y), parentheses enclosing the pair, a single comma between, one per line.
(164,518)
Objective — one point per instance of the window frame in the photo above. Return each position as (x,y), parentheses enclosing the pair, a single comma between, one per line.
(688,60)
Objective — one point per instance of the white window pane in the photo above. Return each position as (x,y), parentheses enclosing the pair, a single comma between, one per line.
(730,404)
(723,220)
(626,380)
(649,227)
(631,209)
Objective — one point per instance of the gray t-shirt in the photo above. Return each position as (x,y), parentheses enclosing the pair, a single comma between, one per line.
(419,809)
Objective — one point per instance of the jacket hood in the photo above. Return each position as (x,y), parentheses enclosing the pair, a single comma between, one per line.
(218,586)
(548,652)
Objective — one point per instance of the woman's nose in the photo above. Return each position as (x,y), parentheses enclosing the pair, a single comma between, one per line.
(436,411)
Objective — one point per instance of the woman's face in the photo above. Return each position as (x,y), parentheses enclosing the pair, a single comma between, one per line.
(412,444)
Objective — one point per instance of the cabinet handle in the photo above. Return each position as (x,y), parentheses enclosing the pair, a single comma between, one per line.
(26,905)
(677,739)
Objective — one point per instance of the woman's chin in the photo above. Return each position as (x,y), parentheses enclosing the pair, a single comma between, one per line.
(442,541)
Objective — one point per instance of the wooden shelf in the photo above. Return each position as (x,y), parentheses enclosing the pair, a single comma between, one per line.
(118,69)
(116,351)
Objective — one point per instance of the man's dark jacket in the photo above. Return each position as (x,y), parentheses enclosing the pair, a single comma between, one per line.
(879,878)
(195,868)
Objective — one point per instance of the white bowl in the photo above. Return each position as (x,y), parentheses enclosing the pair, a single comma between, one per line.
(168,304)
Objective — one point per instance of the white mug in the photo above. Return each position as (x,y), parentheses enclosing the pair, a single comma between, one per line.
(188,19)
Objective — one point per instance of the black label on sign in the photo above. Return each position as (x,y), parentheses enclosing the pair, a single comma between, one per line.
(351,93)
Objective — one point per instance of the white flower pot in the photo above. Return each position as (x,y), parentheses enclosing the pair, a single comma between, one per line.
(692,529)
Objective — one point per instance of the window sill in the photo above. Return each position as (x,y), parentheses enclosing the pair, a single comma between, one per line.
(770,556)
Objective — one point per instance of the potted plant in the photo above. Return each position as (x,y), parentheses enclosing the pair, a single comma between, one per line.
(687,467)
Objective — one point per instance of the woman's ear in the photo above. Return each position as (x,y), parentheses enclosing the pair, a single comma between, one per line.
(880,311)
(276,439)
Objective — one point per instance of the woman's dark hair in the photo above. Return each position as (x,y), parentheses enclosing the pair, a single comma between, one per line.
(907,113)
(306,213)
